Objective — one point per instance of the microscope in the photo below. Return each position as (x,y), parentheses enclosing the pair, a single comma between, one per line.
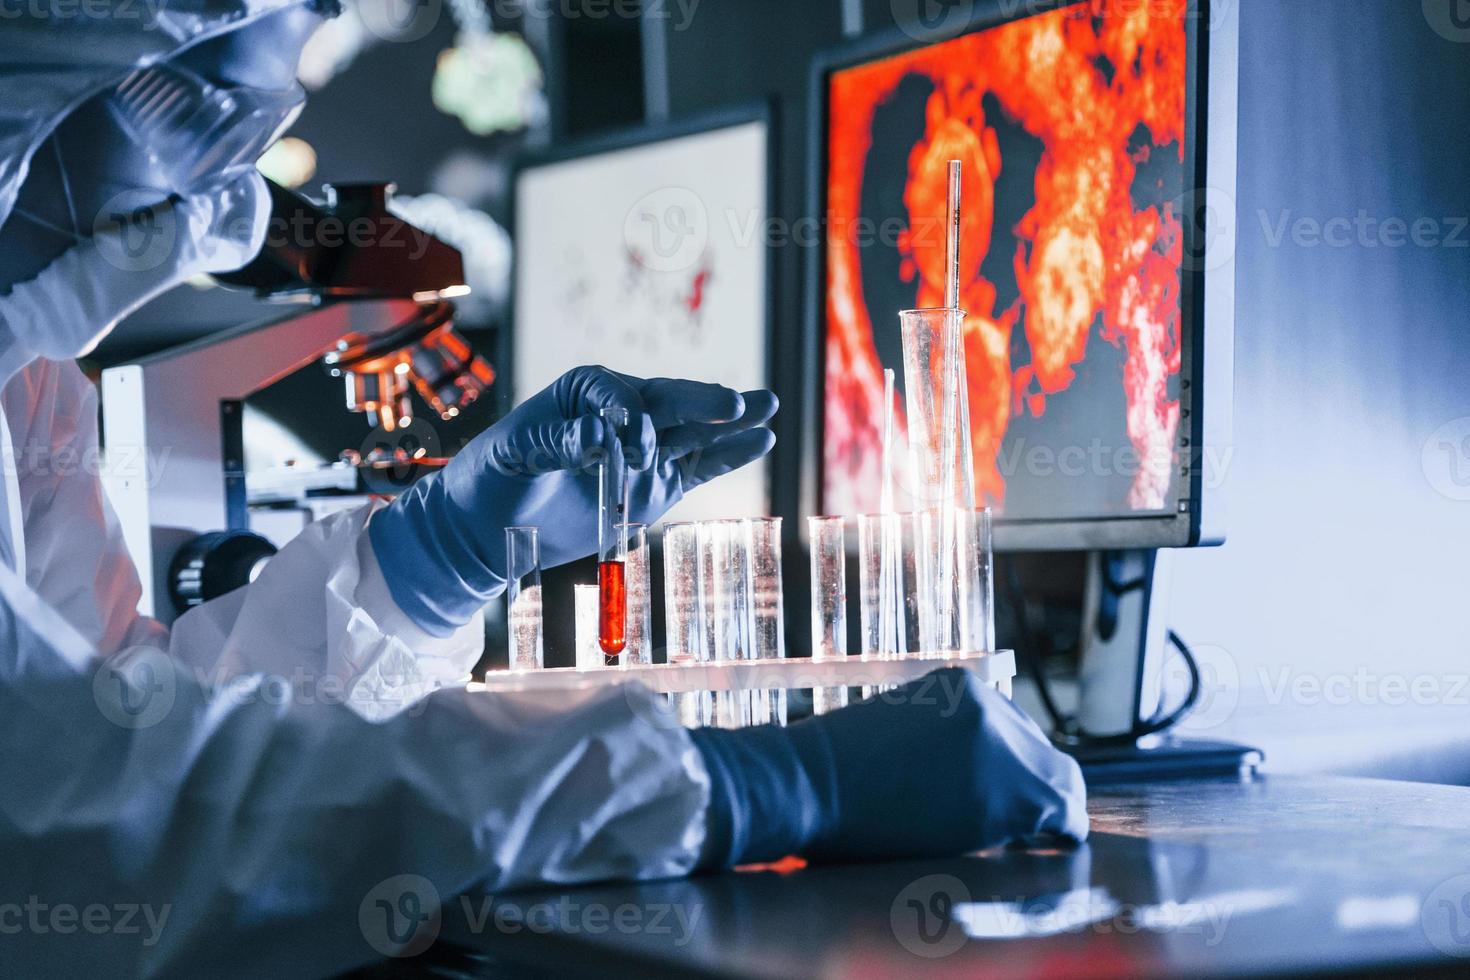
(375,310)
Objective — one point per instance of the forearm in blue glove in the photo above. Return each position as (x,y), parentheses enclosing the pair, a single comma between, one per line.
(441,544)
(943,765)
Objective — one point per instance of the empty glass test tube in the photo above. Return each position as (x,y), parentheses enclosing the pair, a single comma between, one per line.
(684,617)
(879,604)
(931,383)
(612,540)
(728,594)
(523,598)
(975,594)
(829,602)
(768,616)
(589,651)
(638,579)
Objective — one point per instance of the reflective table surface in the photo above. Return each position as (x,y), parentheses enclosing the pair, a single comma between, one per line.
(1276,876)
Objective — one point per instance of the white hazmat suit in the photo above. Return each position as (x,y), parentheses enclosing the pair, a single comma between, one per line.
(158,791)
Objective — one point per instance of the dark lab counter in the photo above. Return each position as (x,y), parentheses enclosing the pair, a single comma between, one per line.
(1278,876)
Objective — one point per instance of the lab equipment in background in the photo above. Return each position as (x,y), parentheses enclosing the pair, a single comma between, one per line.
(589,650)
(612,538)
(424,353)
(184,404)
(523,598)
(768,612)
(728,588)
(684,617)
(829,602)
(638,582)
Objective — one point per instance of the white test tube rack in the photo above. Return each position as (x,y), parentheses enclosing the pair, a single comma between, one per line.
(997,668)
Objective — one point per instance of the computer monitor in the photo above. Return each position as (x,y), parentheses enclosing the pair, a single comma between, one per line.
(1098,144)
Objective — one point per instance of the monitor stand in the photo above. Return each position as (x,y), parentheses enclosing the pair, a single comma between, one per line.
(1125,651)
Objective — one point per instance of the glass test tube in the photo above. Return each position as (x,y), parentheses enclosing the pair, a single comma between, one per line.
(829,602)
(728,592)
(684,617)
(875,620)
(768,633)
(931,377)
(976,592)
(589,651)
(523,598)
(612,541)
(913,584)
(639,582)
(878,626)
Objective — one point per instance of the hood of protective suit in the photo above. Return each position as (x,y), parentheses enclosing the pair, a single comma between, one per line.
(60,53)
(55,57)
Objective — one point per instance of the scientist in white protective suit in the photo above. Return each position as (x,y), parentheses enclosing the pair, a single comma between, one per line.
(154,825)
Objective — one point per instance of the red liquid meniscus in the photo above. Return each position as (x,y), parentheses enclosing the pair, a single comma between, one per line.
(612,610)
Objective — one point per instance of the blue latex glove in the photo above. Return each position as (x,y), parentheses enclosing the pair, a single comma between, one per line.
(441,544)
(943,765)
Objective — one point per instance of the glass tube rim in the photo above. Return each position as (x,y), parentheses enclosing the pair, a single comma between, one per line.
(616,414)
(931,310)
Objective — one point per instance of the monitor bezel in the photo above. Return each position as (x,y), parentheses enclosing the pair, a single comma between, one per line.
(1195,520)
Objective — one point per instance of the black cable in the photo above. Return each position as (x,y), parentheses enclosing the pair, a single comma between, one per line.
(1067,730)
(1035,659)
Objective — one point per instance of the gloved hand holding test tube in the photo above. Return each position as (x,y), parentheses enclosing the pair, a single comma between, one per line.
(612,536)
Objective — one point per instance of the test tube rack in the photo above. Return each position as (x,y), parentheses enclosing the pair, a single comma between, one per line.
(997,668)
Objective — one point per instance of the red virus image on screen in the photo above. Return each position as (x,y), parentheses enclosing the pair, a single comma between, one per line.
(1071,129)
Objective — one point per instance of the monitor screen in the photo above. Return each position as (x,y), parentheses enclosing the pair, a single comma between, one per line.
(1074,138)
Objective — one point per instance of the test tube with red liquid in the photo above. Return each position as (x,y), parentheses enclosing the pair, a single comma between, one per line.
(612,537)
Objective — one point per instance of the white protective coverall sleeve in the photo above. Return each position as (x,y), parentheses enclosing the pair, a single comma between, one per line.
(319,616)
(255,823)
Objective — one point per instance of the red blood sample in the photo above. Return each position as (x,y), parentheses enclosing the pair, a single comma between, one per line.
(612,610)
